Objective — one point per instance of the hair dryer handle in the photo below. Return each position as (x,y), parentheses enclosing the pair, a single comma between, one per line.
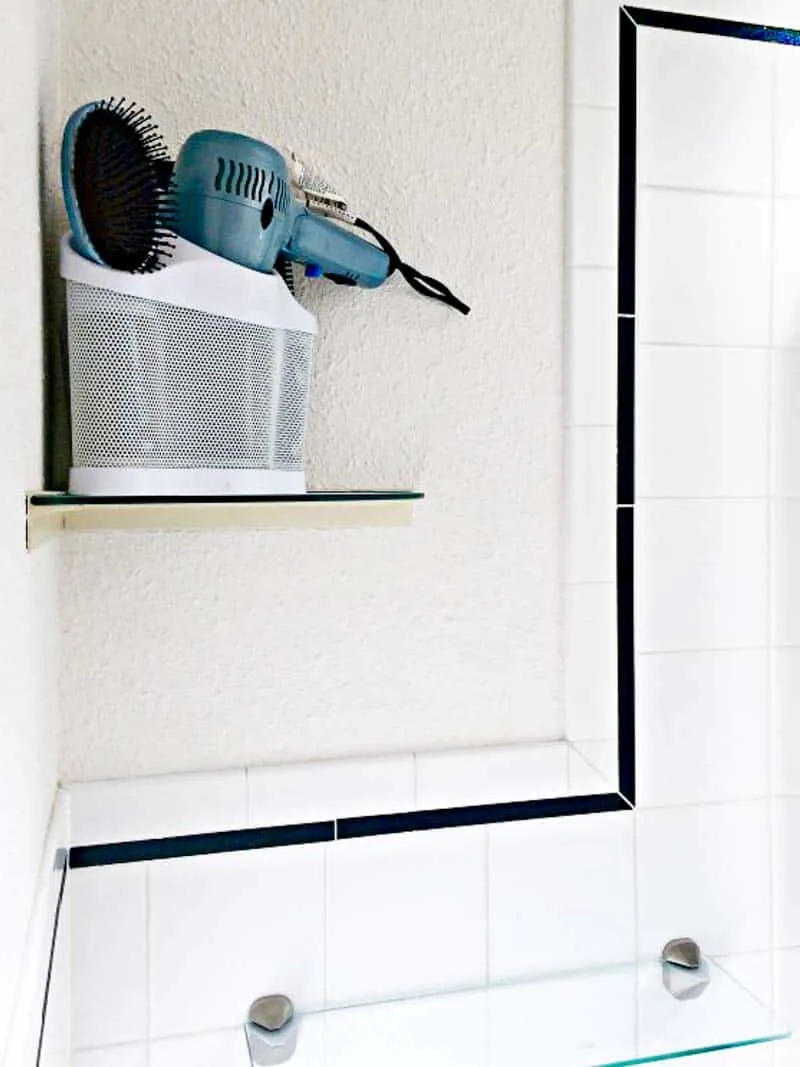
(336,251)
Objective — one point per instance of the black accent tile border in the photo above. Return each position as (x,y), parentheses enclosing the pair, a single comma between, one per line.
(557,807)
(479,815)
(626,251)
(746,31)
(626,659)
(162,848)
(180,847)
(626,399)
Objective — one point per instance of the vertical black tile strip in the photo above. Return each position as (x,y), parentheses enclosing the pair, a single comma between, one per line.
(626,413)
(626,251)
(626,666)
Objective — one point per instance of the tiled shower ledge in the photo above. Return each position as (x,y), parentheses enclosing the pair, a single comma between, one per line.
(617,1017)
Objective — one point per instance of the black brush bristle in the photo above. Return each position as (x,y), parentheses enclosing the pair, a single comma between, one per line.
(122,179)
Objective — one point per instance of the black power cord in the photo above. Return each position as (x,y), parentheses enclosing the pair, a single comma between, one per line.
(422,283)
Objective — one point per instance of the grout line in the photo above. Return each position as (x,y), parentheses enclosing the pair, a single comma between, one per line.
(486,909)
(608,267)
(691,346)
(147,961)
(624,10)
(594,581)
(692,190)
(720,649)
(326,849)
(771,457)
(590,426)
(761,799)
(580,104)
(705,499)
(592,267)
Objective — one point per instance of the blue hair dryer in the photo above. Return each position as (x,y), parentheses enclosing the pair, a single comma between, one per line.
(233,198)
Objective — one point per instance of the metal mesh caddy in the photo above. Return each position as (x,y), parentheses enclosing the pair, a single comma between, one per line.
(190,381)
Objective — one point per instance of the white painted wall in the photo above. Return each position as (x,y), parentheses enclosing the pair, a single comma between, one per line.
(27,583)
(444,122)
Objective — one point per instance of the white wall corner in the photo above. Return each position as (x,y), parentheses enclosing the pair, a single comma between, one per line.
(36,975)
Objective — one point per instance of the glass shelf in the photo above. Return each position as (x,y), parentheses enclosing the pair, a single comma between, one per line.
(48,513)
(618,1017)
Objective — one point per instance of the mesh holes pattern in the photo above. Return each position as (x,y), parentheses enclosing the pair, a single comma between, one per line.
(154,385)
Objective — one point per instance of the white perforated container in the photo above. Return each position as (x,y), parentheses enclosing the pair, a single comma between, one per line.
(192,380)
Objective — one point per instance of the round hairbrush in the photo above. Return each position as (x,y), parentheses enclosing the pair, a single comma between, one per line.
(116,176)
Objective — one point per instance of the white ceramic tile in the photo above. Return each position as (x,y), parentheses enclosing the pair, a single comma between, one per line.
(329,789)
(786,421)
(225,929)
(603,758)
(701,575)
(576,1020)
(405,914)
(787,1004)
(25,978)
(786,704)
(786,572)
(590,669)
(594,52)
(704,872)
(164,806)
(658,1015)
(585,777)
(704,112)
(228,1047)
(787,872)
(591,504)
(561,895)
(787,1053)
(109,954)
(753,970)
(787,121)
(112,1056)
(57,1035)
(491,775)
(786,283)
(702,727)
(704,268)
(702,422)
(592,347)
(592,187)
(425,1032)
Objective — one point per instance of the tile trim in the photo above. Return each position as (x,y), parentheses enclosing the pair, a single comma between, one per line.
(160,848)
(631,18)
(180,847)
(746,31)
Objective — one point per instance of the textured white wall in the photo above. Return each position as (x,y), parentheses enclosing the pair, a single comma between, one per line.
(28,724)
(444,122)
